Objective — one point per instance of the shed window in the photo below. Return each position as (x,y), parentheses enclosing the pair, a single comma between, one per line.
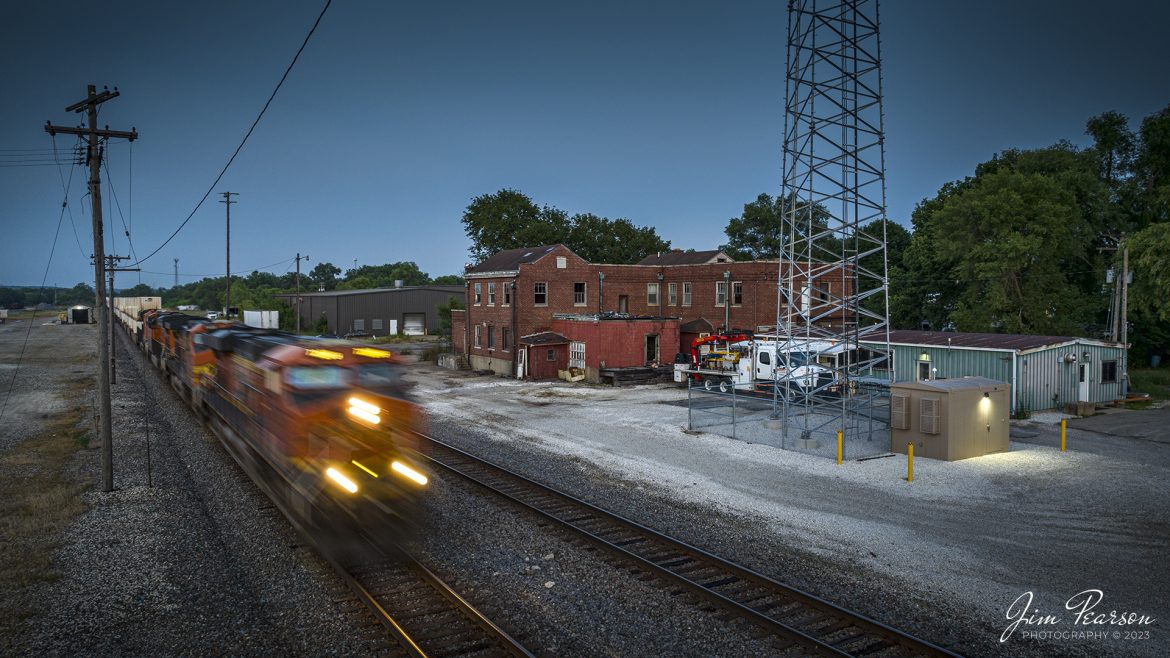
(551,355)
(359,324)
(540,293)
(1108,372)
(376,324)
(928,415)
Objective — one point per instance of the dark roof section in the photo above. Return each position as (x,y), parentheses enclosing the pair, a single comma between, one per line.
(544,338)
(458,290)
(986,341)
(679,257)
(696,326)
(510,260)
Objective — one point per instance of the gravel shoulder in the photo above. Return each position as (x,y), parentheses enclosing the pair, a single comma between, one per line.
(943,557)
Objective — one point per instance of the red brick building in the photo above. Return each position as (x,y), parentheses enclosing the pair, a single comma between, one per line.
(516,293)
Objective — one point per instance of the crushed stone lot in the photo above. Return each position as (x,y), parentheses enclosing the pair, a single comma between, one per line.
(187,557)
(943,557)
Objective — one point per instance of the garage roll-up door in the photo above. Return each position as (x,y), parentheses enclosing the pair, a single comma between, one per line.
(414,324)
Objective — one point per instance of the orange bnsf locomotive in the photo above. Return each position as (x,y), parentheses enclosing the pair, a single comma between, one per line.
(323,426)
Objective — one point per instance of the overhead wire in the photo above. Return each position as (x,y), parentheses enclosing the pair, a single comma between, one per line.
(246,136)
(32,318)
(65,187)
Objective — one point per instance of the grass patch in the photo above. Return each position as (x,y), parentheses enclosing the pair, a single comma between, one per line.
(1153,381)
(39,498)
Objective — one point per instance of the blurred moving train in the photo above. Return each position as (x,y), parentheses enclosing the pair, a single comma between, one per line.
(321,425)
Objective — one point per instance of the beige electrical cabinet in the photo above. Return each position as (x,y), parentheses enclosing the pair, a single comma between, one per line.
(950,419)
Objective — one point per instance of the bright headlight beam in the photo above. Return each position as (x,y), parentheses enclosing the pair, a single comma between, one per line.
(364,406)
(340,479)
(358,412)
(409,472)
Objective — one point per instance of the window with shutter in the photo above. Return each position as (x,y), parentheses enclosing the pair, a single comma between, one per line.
(899,411)
(928,415)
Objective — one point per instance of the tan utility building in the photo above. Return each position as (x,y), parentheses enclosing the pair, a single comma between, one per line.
(950,419)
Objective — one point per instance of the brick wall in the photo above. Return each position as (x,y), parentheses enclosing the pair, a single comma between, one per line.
(524,313)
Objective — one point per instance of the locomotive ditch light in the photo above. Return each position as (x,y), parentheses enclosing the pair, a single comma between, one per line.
(362,410)
(325,355)
(338,477)
(371,352)
(363,467)
(408,472)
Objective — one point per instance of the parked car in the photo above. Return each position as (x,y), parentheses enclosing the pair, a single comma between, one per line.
(358,334)
(212,315)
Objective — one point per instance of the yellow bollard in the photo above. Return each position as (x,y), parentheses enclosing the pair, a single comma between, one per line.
(910,462)
(839,447)
(1063,429)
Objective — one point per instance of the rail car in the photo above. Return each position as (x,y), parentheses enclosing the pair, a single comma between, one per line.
(326,425)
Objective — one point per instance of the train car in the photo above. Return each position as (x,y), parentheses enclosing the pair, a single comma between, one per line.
(326,425)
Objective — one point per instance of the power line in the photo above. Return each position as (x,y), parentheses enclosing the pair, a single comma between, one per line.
(246,136)
(65,188)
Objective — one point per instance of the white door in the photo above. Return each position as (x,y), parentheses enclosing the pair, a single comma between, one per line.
(521,362)
(764,364)
(1083,382)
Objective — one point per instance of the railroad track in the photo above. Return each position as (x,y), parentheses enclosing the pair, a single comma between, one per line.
(801,622)
(424,616)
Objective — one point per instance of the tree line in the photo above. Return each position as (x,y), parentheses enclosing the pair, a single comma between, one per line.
(1027,244)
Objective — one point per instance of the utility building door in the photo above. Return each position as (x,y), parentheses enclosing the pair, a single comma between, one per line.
(414,324)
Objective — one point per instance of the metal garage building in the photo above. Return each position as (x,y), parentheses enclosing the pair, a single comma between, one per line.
(410,310)
(1045,372)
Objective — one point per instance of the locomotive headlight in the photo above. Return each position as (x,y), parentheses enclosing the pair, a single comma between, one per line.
(338,477)
(359,408)
(408,472)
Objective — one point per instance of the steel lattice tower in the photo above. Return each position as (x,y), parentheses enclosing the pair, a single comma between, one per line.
(833,284)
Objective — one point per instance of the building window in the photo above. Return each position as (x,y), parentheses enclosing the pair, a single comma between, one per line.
(359,325)
(477,343)
(376,324)
(491,294)
(579,293)
(652,294)
(1108,372)
(736,293)
(491,337)
(507,294)
(506,338)
(577,355)
(687,293)
(562,262)
(551,354)
(672,294)
(540,293)
(720,293)
(478,292)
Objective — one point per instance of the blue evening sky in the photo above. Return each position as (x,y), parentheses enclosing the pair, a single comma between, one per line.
(398,114)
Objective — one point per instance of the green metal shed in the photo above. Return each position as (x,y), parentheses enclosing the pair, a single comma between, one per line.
(1045,372)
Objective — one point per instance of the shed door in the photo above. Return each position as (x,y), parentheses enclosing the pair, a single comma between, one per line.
(414,324)
(521,362)
(1083,382)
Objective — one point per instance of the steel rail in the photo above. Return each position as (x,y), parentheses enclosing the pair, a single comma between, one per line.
(805,619)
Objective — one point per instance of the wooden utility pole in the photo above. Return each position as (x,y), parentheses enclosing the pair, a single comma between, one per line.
(1125,319)
(176,272)
(298,304)
(227,300)
(89,106)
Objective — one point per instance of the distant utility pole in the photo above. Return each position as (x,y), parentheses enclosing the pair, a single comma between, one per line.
(89,106)
(176,272)
(111,267)
(227,200)
(306,258)
(1125,319)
